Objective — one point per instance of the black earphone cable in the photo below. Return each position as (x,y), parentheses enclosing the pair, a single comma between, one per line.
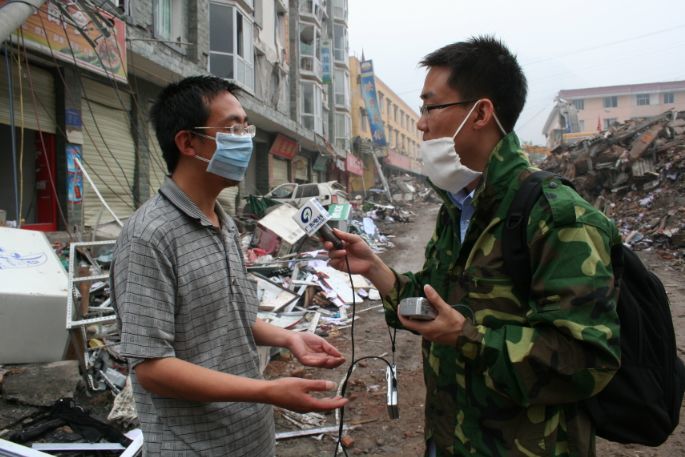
(343,390)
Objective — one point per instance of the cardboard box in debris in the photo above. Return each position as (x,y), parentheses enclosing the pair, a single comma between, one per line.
(40,280)
(633,172)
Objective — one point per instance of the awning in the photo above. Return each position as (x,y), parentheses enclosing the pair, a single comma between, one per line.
(354,165)
(284,147)
(398,160)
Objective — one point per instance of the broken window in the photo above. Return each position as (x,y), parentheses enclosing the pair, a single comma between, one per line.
(669,98)
(579,104)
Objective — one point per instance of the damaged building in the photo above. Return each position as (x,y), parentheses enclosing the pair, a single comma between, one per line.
(579,114)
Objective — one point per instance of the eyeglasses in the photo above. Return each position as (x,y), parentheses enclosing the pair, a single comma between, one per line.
(426,109)
(236,129)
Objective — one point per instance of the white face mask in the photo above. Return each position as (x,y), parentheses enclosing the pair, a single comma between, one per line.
(442,164)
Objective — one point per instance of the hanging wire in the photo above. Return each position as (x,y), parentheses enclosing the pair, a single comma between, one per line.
(90,109)
(133,94)
(157,157)
(103,182)
(12,132)
(115,85)
(21,142)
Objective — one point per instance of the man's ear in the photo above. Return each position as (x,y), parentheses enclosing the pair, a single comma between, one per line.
(484,113)
(184,143)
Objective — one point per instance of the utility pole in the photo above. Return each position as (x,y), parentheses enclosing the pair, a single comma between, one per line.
(380,173)
(13,15)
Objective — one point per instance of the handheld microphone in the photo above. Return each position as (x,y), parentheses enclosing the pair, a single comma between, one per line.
(312,218)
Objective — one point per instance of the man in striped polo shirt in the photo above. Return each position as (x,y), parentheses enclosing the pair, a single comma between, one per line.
(186,310)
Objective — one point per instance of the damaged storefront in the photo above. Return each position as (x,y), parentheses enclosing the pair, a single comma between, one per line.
(28,130)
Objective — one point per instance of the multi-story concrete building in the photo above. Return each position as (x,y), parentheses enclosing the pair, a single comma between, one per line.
(581,112)
(399,121)
(89,97)
(321,86)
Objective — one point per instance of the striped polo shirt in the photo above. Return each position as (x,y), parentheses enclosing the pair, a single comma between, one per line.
(179,288)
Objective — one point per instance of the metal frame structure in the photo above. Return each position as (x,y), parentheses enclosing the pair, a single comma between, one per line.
(72,292)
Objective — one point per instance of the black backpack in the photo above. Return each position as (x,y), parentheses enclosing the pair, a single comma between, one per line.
(642,402)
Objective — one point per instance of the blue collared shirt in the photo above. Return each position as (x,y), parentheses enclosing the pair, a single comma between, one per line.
(464,201)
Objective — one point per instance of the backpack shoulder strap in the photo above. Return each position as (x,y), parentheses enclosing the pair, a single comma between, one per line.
(514,236)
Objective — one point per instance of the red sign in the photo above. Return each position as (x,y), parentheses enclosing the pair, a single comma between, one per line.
(398,160)
(284,147)
(354,165)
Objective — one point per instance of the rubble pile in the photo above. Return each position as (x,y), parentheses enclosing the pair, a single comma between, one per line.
(634,174)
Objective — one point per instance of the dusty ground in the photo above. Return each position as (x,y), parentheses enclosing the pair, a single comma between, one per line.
(376,434)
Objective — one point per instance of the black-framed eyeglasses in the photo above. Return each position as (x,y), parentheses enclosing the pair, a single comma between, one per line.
(425,109)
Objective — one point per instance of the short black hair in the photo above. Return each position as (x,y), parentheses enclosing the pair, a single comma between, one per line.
(483,67)
(184,105)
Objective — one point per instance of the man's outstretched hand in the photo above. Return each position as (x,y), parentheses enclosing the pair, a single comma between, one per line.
(293,394)
(313,351)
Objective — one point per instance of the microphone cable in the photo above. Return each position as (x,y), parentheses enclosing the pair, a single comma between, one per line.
(392,336)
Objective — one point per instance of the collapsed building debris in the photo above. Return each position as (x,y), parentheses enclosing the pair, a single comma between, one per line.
(634,172)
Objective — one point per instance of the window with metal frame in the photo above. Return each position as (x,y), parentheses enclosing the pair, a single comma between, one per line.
(311,106)
(611,102)
(340,45)
(642,99)
(231,49)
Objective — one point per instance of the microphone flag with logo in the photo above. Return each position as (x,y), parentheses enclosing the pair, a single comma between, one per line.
(312,218)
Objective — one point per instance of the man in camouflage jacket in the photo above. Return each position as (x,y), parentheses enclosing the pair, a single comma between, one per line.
(504,373)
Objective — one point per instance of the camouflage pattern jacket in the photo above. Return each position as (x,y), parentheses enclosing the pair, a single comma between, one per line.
(511,384)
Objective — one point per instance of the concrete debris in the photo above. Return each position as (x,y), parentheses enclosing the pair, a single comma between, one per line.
(302,421)
(124,409)
(41,384)
(634,174)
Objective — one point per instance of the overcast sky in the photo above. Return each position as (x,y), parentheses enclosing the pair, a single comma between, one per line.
(560,45)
